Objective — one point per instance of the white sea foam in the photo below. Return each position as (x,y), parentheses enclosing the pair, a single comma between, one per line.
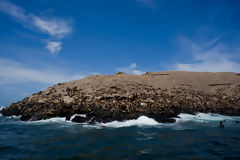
(146,121)
(183,118)
(2,107)
(141,121)
(15,116)
(81,115)
(205,117)
(50,120)
(57,119)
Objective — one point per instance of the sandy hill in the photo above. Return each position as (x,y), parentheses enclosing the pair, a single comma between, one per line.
(207,82)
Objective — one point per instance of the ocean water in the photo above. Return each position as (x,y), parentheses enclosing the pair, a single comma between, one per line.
(191,137)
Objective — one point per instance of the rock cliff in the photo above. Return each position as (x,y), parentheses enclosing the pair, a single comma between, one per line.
(159,95)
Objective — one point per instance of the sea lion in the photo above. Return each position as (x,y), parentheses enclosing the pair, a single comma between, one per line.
(221,124)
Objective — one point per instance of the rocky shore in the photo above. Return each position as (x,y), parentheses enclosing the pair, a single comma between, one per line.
(159,95)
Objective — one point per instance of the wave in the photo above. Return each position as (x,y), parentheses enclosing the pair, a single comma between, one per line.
(50,120)
(205,117)
(146,121)
(182,118)
(81,115)
(141,121)
(57,119)
(2,107)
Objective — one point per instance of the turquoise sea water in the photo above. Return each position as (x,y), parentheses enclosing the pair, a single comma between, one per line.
(192,137)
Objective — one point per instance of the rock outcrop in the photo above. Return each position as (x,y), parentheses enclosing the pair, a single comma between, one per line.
(159,95)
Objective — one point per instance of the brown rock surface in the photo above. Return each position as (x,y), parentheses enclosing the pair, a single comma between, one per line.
(160,95)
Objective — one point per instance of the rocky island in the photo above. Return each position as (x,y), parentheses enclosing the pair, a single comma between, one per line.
(158,95)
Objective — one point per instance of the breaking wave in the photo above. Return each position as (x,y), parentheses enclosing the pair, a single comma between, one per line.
(81,115)
(50,120)
(181,122)
(1,109)
(205,117)
(141,121)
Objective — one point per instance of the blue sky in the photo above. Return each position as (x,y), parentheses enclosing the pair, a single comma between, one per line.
(44,42)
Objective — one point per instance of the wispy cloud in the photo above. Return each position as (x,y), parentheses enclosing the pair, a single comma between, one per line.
(131,69)
(16,72)
(56,28)
(149,3)
(11,9)
(54,47)
(211,56)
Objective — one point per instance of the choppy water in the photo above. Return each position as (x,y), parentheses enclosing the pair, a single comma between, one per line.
(192,137)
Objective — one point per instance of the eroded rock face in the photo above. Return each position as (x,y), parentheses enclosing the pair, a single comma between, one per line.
(159,95)
(80,119)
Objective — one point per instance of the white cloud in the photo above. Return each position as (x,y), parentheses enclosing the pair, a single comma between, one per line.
(210,56)
(11,9)
(15,72)
(56,28)
(54,47)
(149,3)
(131,69)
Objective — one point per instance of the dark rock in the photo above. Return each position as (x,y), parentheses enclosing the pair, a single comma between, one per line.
(25,117)
(79,119)
(68,117)
(164,119)
(36,117)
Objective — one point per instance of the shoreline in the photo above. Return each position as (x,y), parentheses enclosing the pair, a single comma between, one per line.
(158,95)
(200,118)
